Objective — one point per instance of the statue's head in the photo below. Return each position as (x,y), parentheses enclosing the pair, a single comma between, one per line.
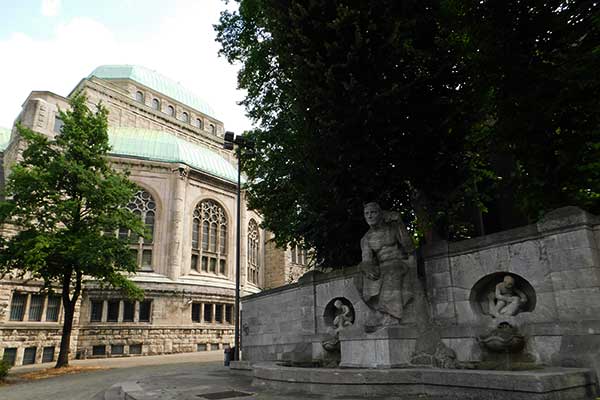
(373,213)
(509,281)
(337,304)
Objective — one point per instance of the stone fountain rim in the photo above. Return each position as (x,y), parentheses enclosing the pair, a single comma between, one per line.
(543,380)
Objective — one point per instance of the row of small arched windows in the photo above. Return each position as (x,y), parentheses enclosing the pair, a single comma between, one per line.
(170,111)
(209,237)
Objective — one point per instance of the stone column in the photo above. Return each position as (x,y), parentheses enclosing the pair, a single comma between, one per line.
(175,235)
(214,313)
(201,313)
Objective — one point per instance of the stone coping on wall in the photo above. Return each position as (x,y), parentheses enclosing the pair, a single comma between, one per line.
(562,219)
(310,278)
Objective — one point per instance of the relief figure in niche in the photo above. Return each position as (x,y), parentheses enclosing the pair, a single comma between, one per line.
(387,256)
(507,300)
(343,316)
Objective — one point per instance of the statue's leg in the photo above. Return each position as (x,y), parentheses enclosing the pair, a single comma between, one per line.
(390,297)
(512,308)
(500,307)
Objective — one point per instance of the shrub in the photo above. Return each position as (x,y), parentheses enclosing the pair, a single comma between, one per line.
(4,367)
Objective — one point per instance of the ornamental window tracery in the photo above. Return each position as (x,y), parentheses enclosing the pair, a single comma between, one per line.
(209,238)
(144,206)
(253,252)
(299,255)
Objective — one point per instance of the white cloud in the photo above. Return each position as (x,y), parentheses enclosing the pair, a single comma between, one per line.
(182,47)
(50,8)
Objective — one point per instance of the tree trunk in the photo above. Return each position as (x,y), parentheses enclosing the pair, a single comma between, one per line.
(69,306)
(65,340)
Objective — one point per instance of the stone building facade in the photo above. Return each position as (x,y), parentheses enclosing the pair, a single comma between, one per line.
(172,144)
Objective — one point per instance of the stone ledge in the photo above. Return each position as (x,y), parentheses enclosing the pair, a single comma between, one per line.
(554,383)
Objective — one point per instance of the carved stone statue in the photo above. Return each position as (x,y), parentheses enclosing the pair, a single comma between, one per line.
(387,256)
(507,299)
(343,317)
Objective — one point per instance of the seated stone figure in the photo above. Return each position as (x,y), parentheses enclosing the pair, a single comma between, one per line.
(343,316)
(508,299)
(387,256)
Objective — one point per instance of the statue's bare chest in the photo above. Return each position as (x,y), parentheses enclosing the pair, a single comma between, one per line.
(381,238)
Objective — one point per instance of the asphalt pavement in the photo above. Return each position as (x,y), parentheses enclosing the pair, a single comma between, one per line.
(188,376)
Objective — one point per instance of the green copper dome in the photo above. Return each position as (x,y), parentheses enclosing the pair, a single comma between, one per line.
(4,138)
(161,146)
(154,81)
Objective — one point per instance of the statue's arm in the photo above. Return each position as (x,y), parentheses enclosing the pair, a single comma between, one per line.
(499,295)
(367,252)
(522,295)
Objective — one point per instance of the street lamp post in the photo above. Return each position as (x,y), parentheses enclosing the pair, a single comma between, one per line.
(232,141)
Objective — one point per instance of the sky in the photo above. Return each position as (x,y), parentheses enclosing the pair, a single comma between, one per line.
(52,44)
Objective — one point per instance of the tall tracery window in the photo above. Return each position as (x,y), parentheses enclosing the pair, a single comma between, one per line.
(299,255)
(144,206)
(253,246)
(209,238)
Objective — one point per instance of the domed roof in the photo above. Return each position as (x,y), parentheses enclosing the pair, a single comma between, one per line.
(162,146)
(154,81)
(4,138)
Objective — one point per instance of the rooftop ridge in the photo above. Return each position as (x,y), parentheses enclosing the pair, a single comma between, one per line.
(155,81)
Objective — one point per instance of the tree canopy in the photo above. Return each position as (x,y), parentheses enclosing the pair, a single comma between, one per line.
(64,201)
(435,108)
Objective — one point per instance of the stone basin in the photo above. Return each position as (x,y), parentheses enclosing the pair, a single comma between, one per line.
(547,384)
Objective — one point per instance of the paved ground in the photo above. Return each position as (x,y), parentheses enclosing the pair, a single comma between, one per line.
(194,376)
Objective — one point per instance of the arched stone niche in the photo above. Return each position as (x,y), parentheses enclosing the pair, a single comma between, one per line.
(331,312)
(483,293)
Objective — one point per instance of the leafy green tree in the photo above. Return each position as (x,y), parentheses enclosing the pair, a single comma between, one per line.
(61,199)
(356,101)
(437,108)
(536,67)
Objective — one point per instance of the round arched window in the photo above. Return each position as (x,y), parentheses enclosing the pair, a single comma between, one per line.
(170,111)
(156,104)
(139,96)
(185,117)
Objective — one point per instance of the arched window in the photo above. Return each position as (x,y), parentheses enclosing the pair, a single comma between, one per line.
(144,206)
(185,117)
(212,129)
(170,111)
(156,104)
(198,123)
(209,238)
(139,96)
(253,251)
(299,255)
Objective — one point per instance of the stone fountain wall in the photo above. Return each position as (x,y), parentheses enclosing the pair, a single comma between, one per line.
(556,262)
